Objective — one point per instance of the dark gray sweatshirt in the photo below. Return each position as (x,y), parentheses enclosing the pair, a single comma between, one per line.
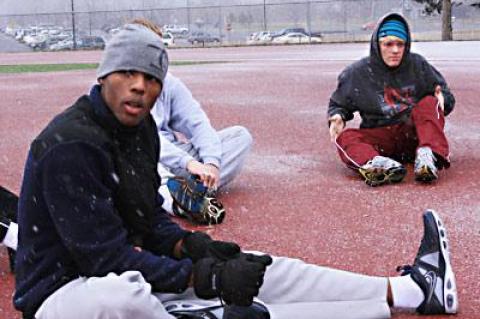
(383,95)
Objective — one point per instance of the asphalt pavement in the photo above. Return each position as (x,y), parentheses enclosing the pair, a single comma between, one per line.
(9,44)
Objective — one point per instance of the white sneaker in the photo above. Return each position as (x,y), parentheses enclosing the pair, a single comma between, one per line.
(381,170)
(425,168)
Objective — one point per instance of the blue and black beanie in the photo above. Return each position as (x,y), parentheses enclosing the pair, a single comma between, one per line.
(393,27)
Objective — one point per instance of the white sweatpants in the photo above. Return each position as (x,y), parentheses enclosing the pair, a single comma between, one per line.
(292,289)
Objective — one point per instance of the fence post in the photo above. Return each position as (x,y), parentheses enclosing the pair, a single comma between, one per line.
(188,14)
(73,27)
(264,16)
(309,21)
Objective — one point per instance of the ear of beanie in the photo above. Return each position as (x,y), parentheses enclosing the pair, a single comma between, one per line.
(135,48)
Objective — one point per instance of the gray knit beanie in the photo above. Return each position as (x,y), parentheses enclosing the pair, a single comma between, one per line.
(136,48)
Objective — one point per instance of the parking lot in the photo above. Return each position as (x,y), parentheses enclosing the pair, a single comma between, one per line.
(294,197)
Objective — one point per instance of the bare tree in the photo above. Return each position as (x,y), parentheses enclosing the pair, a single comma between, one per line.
(447,32)
(444,7)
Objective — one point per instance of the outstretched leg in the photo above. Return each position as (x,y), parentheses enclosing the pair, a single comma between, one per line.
(294,289)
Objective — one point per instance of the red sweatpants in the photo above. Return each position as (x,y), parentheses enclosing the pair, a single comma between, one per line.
(400,141)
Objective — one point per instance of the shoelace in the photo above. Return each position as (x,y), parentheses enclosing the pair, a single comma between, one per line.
(426,157)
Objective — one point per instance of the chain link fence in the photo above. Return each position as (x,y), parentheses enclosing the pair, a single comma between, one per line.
(337,21)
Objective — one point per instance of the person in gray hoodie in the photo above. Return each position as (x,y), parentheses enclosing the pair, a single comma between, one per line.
(195,159)
(402,101)
(190,145)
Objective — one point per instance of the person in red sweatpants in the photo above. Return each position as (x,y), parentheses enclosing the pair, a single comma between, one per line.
(402,101)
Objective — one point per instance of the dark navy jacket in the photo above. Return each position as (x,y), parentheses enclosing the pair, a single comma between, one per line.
(383,95)
(89,195)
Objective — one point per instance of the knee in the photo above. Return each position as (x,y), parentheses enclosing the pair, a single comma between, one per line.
(243,134)
(427,105)
(347,136)
(123,295)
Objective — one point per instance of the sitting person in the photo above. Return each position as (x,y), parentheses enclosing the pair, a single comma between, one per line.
(94,241)
(193,149)
(402,101)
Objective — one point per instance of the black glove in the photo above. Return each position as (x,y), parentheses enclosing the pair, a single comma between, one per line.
(199,245)
(255,311)
(236,281)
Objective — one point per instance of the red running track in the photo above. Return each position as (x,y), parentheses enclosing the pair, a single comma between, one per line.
(294,197)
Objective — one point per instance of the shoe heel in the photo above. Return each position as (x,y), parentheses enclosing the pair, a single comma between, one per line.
(450,297)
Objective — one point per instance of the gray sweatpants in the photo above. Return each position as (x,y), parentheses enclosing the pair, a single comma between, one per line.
(292,289)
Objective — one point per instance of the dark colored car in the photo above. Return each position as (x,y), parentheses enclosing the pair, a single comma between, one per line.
(91,42)
(202,37)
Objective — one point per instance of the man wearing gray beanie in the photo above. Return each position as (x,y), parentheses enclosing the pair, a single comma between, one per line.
(94,240)
(135,48)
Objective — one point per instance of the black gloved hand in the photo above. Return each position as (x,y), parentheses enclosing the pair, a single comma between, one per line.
(198,245)
(236,280)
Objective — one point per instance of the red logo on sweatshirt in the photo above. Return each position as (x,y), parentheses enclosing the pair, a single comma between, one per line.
(397,100)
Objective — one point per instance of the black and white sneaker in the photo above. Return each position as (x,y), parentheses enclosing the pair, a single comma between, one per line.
(431,269)
(191,310)
(194,201)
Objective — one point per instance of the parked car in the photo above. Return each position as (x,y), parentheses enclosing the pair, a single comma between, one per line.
(369,26)
(175,29)
(296,30)
(66,44)
(296,37)
(168,39)
(259,37)
(202,37)
(91,42)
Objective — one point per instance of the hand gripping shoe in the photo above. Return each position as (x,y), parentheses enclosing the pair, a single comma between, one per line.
(431,269)
(8,214)
(192,200)
(382,170)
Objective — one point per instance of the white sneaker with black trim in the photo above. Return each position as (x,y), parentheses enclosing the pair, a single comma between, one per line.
(425,168)
(432,270)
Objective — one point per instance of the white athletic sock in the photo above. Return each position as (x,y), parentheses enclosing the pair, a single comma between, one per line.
(11,238)
(406,292)
(167,199)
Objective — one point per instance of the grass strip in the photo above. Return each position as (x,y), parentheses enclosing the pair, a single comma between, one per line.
(34,68)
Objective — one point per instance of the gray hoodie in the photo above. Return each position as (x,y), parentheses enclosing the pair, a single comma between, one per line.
(177,111)
(383,95)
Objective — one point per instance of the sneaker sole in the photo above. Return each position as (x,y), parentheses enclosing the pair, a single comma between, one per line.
(214,214)
(188,309)
(450,297)
(392,176)
(425,175)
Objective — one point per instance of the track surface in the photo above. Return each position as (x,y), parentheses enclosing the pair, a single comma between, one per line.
(294,196)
